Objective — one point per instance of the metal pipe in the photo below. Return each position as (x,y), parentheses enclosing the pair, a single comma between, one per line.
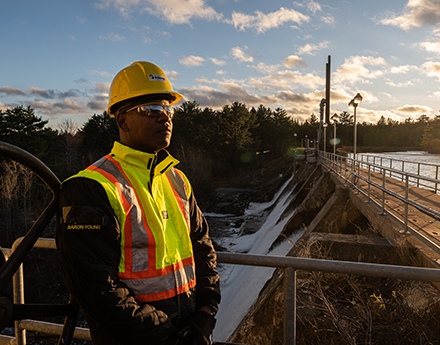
(289,327)
(406,204)
(436,177)
(344,267)
(383,191)
(53,328)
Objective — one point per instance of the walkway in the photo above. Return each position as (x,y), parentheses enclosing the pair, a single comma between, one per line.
(416,219)
(417,208)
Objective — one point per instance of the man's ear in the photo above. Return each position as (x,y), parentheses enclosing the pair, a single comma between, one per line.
(121,121)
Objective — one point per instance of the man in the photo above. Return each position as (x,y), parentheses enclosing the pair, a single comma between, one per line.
(134,246)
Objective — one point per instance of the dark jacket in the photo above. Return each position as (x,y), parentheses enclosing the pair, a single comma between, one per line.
(90,259)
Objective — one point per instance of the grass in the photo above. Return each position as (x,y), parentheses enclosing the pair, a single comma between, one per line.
(345,309)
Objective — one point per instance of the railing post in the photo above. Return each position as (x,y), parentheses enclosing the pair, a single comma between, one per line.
(391,167)
(289,327)
(436,177)
(403,168)
(18,291)
(369,183)
(418,174)
(406,203)
(383,190)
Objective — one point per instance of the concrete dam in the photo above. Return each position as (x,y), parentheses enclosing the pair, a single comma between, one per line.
(324,213)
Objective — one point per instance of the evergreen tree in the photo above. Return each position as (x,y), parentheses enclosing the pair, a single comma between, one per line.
(19,126)
(99,132)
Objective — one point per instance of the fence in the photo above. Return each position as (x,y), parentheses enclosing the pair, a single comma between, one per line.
(353,172)
(289,264)
(420,174)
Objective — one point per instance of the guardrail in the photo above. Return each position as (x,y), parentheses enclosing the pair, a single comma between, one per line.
(352,171)
(18,294)
(420,172)
(289,264)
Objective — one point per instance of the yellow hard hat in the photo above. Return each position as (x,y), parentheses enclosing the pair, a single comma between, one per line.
(139,79)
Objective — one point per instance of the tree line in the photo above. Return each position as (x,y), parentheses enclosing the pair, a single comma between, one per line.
(213,145)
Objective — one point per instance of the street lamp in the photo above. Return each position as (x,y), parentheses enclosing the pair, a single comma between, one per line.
(325,136)
(354,103)
(334,118)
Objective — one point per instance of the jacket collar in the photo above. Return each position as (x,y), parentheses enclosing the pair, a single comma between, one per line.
(161,161)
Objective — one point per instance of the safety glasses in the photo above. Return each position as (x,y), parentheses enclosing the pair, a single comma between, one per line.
(154,111)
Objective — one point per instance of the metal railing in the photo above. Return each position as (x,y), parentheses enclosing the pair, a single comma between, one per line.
(420,172)
(292,264)
(18,295)
(289,264)
(354,171)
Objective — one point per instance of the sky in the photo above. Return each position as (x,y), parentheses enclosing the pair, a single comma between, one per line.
(59,57)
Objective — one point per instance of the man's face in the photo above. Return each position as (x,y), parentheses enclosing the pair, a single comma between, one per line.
(145,133)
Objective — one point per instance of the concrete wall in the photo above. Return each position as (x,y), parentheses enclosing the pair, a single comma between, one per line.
(339,225)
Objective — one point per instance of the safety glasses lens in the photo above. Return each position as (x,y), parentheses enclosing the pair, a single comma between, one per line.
(156,110)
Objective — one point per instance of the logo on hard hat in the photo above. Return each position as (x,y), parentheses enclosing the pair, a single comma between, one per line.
(156,77)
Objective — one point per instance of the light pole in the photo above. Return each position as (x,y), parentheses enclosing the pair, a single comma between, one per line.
(354,103)
(334,118)
(325,136)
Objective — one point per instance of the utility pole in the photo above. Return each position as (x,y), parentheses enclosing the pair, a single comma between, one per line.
(327,91)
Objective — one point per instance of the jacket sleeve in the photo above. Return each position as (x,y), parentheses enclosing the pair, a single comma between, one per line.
(88,241)
(207,278)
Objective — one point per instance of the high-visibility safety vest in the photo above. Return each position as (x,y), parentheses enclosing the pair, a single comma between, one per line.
(151,204)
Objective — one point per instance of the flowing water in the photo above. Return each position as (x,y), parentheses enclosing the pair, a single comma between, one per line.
(240,285)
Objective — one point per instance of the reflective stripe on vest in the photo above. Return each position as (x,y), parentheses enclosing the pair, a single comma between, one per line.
(140,269)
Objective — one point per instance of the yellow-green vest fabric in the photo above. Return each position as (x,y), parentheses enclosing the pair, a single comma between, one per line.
(150,202)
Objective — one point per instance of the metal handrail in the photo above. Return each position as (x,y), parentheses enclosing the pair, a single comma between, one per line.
(18,293)
(349,170)
(402,172)
(290,266)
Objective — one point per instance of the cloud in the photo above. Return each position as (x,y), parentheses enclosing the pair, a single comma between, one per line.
(112,37)
(11,91)
(220,71)
(227,93)
(81,20)
(311,49)
(192,61)
(182,11)
(353,69)
(262,22)
(123,6)
(431,47)
(172,75)
(294,61)
(102,87)
(330,20)
(402,69)
(98,102)
(417,13)
(102,73)
(217,62)
(313,6)
(240,54)
(405,84)
(431,69)
(263,68)
(51,94)
(66,106)
(285,80)
(414,109)
(172,11)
